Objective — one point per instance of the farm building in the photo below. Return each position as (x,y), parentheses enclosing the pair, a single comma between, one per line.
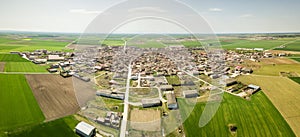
(109,94)
(166,87)
(251,89)
(151,102)
(55,58)
(230,82)
(85,129)
(190,93)
(171,101)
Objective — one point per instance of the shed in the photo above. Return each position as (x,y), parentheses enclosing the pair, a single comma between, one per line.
(166,87)
(55,58)
(171,101)
(190,93)
(153,102)
(85,129)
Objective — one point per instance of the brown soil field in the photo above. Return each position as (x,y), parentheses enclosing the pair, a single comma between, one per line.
(283,93)
(145,120)
(84,91)
(54,94)
(2,65)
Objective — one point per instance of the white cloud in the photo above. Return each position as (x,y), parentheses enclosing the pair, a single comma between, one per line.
(151,9)
(84,11)
(246,15)
(215,9)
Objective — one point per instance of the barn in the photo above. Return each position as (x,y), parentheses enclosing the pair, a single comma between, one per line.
(190,93)
(85,130)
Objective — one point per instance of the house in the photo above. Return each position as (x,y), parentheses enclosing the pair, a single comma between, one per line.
(85,129)
(171,101)
(55,58)
(190,93)
(247,70)
(166,87)
(230,82)
(151,102)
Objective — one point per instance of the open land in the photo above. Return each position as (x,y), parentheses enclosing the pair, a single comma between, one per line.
(257,117)
(24,67)
(2,65)
(18,105)
(56,98)
(145,120)
(283,93)
(58,128)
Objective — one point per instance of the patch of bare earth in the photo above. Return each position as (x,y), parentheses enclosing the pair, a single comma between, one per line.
(54,94)
(2,65)
(145,120)
(84,91)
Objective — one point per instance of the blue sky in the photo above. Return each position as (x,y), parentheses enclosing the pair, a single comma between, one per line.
(223,16)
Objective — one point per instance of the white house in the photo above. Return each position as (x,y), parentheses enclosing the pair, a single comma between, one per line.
(85,129)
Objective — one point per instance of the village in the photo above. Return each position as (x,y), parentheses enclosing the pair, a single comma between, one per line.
(158,77)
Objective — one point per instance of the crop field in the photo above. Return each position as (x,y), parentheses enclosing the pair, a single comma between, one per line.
(257,117)
(294,46)
(173,80)
(56,98)
(296,59)
(11,58)
(296,79)
(63,127)
(266,44)
(9,44)
(274,70)
(146,120)
(17,103)
(24,67)
(283,93)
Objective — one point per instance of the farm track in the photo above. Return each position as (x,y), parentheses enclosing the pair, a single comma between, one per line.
(56,98)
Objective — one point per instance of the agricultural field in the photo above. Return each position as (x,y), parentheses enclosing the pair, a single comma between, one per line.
(274,70)
(296,59)
(31,44)
(24,67)
(56,98)
(266,44)
(146,120)
(293,46)
(173,80)
(283,93)
(11,58)
(17,103)
(63,127)
(257,117)
(296,79)
(2,65)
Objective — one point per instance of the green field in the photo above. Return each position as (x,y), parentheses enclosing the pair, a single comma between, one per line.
(296,79)
(11,58)
(24,67)
(63,127)
(256,118)
(17,103)
(297,59)
(10,44)
(266,44)
(294,46)
(173,80)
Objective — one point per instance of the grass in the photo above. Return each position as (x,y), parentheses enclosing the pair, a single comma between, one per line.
(257,117)
(294,46)
(173,80)
(17,103)
(9,44)
(24,67)
(266,44)
(111,104)
(297,59)
(63,127)
(284,94)
(11,58)
(296,79)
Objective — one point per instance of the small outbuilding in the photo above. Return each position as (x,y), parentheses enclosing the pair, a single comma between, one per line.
(190,93)
(85,130)
(153,102)
(166,87)
(171,101)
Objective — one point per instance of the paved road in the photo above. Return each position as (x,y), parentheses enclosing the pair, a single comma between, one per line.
(126,105)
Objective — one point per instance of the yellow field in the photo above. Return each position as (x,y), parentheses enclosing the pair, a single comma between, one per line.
(283,93)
